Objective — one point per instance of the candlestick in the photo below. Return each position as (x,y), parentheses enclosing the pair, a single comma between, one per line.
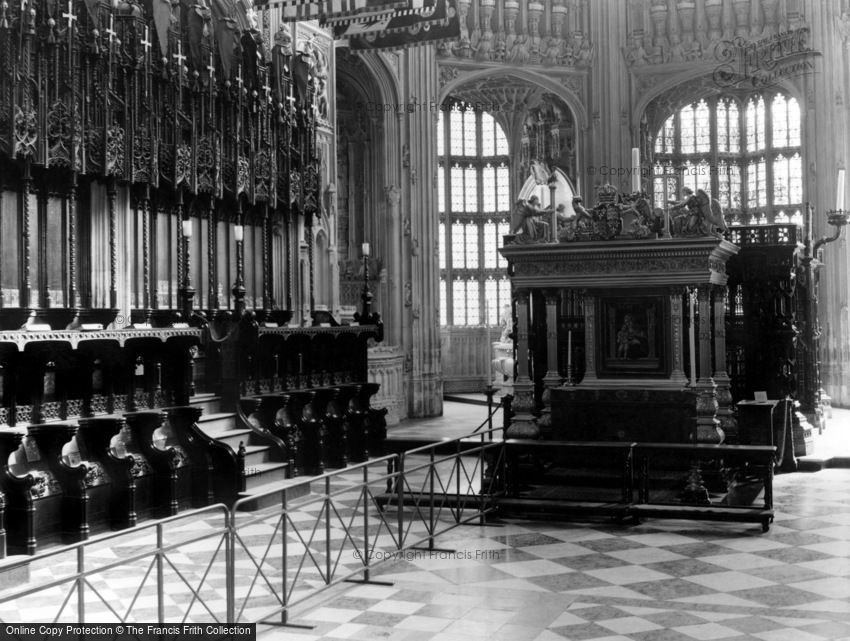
(569,349)
(839,196)
(635,169)
(692,339)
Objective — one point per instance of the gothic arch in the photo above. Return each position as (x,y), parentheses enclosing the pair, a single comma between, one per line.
(533,78)
(670,95)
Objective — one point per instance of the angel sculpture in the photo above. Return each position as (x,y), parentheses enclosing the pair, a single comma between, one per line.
(711,215)
(528,223)
(702,216)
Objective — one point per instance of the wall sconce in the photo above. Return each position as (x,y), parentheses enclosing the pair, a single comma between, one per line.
(238,233)
(187,228)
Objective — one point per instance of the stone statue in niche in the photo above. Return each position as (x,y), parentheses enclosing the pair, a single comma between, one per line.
(484,48)
(518,54)
(500,48)
(554,51)
(635,54)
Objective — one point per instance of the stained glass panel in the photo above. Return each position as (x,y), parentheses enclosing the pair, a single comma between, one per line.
(795,179)
(442,244)
(458,246)
(780,181)
(457,188)
(471,245)
(488,135)
(666,137)
(473,305)
(734,129)
(488,188)
(470,136)
(761,173)
(491,245)
(441,189)
(503,186)
(779,116)
(722,126)
(755,124)
(491,301)
(688,143)
(503,230)
(797,218)
(456,131)
(441,125)
(501,141)
(703,127)
(444,308)
(504,293)
(471,188)
(459,302)
(794,123)
(752,185)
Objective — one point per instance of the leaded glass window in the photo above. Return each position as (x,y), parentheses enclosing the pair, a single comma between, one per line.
(746,153)
(476,192)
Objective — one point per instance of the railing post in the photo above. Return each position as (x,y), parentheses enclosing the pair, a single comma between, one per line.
(160,578)
(399,485)
(481,461)
(431,525)
(328,529)
(81,583)
(283,514)
(230,569)
(457,482)
(365,493)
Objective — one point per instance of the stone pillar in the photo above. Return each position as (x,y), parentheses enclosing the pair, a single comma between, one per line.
(725,414)
(421,86)
(708,427)
(552,378)
(523,423)
(678,373)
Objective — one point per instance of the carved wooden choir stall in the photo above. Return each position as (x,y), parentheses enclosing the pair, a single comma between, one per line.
(153,157)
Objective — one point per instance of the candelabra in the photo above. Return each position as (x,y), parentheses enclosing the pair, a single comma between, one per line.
(367,294)
(837,218)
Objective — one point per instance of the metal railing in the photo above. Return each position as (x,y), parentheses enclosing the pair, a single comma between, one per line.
(122,577)
(269,552)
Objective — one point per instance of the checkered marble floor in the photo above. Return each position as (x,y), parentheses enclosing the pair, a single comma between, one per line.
(658,581)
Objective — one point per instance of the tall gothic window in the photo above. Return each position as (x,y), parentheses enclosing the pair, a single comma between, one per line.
(474,207)
(745,152)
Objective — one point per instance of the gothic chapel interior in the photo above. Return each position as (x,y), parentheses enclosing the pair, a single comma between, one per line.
(623,217)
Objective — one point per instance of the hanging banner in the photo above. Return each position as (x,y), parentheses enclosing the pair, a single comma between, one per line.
(293,10)
(441,25)
(429,12)
(409,7)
